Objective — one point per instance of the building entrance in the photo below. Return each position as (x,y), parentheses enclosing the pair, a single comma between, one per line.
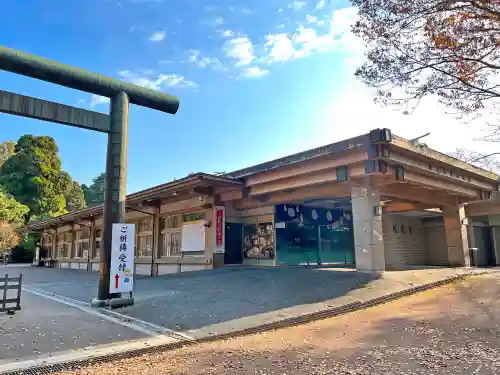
(313,235)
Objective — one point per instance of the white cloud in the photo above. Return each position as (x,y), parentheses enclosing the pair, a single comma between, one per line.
(212,62)
(254,72)
(320,4)
(311,42)
(155,82)
(247,11)
(195,57)
(340,26)
(308,40)
(218,21)
(342,119)
(240,49)
(311,19)
(157,36)
(343,19)
(279,47)
(226,33)
(175,80)
(297,5)
(96,100)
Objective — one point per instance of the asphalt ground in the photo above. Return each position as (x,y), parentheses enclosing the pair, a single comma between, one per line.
(453,329)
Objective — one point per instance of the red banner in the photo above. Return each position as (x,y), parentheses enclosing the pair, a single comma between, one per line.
(219,229)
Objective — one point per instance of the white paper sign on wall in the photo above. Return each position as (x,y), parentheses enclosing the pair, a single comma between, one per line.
(193,236)
(122,258)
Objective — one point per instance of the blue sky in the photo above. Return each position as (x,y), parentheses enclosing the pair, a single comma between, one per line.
(256,80)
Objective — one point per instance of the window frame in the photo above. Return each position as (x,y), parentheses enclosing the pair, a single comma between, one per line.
(82,237)
(167,232)
(97,243)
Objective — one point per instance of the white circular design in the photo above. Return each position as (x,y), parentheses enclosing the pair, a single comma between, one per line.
(314,214)
(329,216)
(291,212)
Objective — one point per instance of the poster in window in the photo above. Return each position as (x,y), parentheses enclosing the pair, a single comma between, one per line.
(258,241)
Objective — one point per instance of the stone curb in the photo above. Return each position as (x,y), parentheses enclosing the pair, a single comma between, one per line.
(81,359)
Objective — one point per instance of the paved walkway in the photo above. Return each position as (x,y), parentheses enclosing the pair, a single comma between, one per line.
(45,326)
(449,330)
(189,306)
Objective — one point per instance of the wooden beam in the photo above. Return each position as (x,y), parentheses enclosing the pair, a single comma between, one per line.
(392,207)
(437,184)
(485,208)
(39,109)
(204,190)
(449,172)
(231,195)
(310,166)
(305,180)
(408,192)
(326,191)
(84,223)
(438,157)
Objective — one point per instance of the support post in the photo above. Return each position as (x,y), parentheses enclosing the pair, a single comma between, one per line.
(155,254)
(457,240)
(92,253)
(114,192)
(368,231)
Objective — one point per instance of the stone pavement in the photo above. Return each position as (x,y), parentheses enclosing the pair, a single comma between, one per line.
(192,305)
(453,329)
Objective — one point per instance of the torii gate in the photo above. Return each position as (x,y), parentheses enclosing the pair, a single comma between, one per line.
(115,125)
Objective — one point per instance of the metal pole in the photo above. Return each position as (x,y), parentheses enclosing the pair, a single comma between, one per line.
(115,188)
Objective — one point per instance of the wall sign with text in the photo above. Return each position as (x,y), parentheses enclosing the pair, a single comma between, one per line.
(220,229)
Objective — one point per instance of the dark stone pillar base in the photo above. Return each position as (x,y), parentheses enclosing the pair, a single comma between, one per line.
(218,260)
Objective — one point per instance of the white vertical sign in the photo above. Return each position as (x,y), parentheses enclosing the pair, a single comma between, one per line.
(122,258)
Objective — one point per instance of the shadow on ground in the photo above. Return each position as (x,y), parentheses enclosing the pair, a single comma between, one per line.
(449,330)
(194,300)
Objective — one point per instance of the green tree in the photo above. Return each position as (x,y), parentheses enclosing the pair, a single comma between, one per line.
(75,199)
(33,176)
(419,48)
(11,211)
(9,238)
(94,194)
(6,151)
(11,215)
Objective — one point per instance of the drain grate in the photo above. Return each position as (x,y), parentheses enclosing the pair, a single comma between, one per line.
(79,364)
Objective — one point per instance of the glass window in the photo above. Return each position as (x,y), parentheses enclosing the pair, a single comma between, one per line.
(171,243)
(194,216)
(98,239)
(171,222)
(60,245)
(146,225)
(82,242)
(144,245)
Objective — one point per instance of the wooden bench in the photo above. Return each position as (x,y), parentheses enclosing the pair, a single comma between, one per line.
(10,283)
